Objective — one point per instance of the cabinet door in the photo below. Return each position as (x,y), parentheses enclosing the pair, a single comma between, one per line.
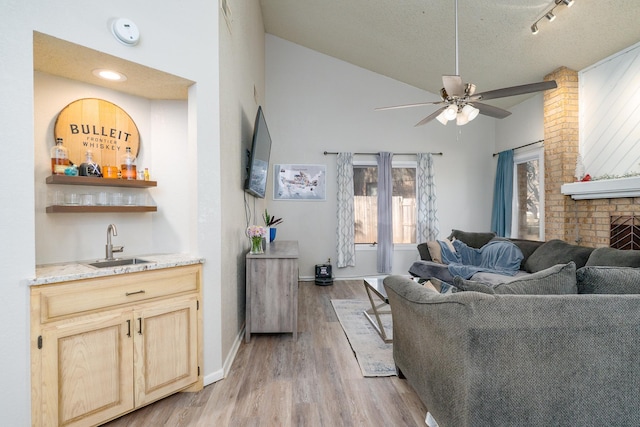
(86,369)
(273,294)
(166,348)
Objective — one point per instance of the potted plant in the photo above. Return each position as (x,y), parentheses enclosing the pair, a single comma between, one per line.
(271,221)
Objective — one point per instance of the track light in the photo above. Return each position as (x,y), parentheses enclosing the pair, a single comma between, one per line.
(549,13)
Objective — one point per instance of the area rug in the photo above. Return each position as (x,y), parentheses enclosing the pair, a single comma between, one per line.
(374,356)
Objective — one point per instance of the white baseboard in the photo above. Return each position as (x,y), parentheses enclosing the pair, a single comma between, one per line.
(221,374)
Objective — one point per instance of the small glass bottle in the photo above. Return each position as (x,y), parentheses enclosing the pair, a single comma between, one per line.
(128,168)
(59,158)
(89,167)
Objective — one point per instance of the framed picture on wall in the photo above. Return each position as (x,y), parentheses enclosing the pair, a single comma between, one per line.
(299,182)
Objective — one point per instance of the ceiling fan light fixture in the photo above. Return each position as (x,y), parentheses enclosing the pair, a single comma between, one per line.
(462,119)
(451,112)
(442,119)
(470,112)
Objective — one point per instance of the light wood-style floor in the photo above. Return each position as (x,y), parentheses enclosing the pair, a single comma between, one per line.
(275,381)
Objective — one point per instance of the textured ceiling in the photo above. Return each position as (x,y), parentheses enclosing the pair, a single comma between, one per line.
(413,41)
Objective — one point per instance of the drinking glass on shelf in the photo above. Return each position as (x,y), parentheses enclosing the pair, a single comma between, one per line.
(102,199)
(116,199)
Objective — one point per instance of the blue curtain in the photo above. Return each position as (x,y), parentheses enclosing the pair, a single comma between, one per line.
(503,195)
(385,209)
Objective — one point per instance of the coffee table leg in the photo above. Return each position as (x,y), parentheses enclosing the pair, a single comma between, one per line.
(378,323)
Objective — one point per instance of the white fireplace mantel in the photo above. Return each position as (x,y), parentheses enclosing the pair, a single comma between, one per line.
(603,189)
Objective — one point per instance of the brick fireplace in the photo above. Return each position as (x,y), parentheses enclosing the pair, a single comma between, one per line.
(586,222)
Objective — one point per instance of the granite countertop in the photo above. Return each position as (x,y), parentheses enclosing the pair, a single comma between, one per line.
(67,271)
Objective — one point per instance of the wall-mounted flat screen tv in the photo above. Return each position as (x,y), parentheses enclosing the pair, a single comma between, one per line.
(258,168)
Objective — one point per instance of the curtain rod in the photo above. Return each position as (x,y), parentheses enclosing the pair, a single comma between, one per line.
(397,154)
(522,146)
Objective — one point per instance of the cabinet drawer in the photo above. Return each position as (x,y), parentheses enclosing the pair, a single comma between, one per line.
(80,296)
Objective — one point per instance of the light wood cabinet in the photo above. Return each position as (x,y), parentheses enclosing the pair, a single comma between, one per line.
(272,290)
(106,346)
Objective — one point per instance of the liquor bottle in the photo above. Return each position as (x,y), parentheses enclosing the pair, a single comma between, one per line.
(128,168)
(59,158)
(89,167)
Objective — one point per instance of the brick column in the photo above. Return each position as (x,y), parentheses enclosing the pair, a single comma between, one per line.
(560,152)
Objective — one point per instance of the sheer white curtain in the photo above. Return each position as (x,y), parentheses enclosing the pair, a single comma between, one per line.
(346,224)
(385,209)
(427,227)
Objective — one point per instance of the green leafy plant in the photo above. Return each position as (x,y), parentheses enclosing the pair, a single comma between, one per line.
(270,220)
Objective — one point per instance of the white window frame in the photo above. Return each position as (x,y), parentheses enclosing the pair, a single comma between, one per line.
(394,164)
(524,156)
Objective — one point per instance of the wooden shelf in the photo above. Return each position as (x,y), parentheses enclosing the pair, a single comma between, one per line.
(94,209)
(102,182)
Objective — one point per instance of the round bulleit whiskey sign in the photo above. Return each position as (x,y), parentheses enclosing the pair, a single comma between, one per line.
(96,125)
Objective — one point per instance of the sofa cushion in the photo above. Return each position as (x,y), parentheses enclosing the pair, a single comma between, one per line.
(472,238)
(608,280)
(528,247)
(556,280)
(614,257)
(557,252)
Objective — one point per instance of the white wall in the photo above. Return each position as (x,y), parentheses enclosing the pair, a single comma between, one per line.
(316,103)
(524,126)
(242,56)
(85,23)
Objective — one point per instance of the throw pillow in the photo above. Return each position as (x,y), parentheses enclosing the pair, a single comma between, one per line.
(608,280)
(423,250)
(557,252)
(557,280)
(435,251)
(614,257)
(471,238)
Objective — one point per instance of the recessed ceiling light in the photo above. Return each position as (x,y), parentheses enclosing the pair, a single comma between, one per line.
(110,75)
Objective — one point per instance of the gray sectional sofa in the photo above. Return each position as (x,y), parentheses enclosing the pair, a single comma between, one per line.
(528,355)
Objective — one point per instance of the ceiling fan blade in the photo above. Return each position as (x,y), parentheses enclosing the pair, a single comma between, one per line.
(491,111)
(453,85)
(515,90)
(430,117)
(419,104)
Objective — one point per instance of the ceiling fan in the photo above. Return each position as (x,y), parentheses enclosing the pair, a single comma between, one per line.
(460,102)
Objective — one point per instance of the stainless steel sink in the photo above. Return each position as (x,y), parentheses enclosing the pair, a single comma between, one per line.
(118,262)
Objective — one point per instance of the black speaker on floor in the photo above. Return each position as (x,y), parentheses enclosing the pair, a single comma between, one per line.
(324,276)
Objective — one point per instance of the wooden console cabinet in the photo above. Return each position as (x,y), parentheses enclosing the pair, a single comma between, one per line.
(102,347)
(272,290)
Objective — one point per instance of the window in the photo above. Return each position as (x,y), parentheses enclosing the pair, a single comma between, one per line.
(528,196)
(365,203)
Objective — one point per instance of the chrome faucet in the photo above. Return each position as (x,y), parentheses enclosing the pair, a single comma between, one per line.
(110,249)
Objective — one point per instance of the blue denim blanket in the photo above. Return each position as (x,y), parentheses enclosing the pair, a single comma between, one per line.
(497,256)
